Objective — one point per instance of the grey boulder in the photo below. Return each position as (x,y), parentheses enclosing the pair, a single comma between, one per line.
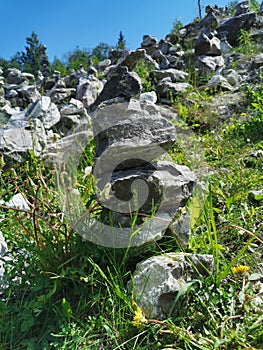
(45,110)
(128,135)
(120,83)
(158,280)
(232,26)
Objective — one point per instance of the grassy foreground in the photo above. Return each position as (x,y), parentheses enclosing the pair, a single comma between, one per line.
(63,293)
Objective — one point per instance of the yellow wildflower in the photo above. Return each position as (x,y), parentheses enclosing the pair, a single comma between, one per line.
(243,114)
(240,269)
(139,318)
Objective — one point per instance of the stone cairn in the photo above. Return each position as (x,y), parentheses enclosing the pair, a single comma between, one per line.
(130,136)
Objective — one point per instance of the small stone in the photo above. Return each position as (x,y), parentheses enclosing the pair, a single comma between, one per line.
(3,250)
(149,40)
(258,60)
(18,201)
(175,75)
(219,81)
(148,97)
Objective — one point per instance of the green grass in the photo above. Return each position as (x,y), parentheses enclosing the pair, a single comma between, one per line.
(66,293)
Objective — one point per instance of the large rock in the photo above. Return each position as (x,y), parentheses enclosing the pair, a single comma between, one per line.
(132,58)
(258,61)
(3,244)
(232,26)
(102,65)
(121,83)
(44,110)
(59,95)
(2,90)
(115,55)
(18,201)
(161,59)
(25,131)
(158,280)
(167,187)
(150,97)
(207,46)
(181,229)
(72,115)
(242,7)
(19,136)
(218,81)
(210,63)
(233,77)
(127,135)
(28,93)
(88,90)
(165,46)
(74,107)
(209,22)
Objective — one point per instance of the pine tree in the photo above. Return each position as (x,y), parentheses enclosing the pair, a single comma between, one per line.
(121,42)
(33,56)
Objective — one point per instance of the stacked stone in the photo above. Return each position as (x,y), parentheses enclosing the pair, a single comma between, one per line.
(44,61)
(130,136)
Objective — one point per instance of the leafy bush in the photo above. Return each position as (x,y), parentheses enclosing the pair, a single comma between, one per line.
(143,69)
(245,43)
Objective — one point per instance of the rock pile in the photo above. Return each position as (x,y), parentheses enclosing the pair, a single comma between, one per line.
(50,115)
(212,39)
(129,136)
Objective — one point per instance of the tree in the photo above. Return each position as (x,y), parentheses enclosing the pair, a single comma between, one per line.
(121,42)
(59,66)
(101,51)
(32,57)
(74,59)
(16,61)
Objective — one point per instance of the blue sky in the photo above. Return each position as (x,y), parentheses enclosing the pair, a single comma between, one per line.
(63,25)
